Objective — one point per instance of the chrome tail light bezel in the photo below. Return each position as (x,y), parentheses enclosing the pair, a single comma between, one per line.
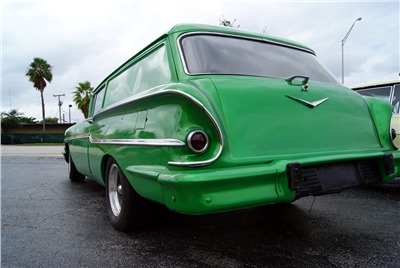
(193,148)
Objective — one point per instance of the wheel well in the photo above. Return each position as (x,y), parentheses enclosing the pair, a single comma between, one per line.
(104,166)
(66,146)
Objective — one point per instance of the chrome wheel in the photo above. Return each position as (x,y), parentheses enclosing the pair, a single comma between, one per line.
(126,208)
(115,189)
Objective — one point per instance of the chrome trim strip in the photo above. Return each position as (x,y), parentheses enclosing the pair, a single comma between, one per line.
(391,97)
(78,137)
(138,142)
(219,131)
(193,99)
(231,35)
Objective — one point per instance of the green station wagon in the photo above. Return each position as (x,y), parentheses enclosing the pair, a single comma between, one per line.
(210,119)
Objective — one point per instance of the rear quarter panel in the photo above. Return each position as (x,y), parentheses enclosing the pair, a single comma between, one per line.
(154,117)
(381,113)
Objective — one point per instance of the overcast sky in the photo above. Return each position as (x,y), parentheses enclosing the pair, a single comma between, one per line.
(86,40)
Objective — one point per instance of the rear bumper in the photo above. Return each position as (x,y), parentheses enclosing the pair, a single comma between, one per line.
(204,190)
(218,190)
(334,177)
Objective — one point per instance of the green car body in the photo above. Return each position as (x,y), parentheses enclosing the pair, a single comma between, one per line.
(192,124)
(388,91)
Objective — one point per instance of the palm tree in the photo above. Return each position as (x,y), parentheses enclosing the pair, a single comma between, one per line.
(11,119)
(82,96)
(39,72)
(14,119)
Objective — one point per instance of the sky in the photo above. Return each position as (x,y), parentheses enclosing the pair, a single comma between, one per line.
(86,40)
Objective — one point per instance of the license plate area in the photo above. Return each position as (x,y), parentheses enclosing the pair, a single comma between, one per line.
(323,179)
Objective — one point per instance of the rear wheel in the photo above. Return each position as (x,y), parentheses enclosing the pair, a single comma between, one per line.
(74,174)
(127,210)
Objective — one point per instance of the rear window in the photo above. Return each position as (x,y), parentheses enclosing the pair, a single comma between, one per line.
(219,54)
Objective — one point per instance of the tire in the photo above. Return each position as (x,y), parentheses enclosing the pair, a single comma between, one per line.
(74,174)
(127,210)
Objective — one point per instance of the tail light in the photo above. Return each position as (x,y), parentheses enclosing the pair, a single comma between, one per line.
(197,141)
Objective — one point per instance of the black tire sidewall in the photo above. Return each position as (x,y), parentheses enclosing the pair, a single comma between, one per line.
(124,221)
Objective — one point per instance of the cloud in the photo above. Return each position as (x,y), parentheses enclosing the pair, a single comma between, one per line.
(87,40)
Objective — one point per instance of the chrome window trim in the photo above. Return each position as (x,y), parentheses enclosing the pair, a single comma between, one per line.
(391,94)
(198,103)
(178,40)
(101,89)
(138,142)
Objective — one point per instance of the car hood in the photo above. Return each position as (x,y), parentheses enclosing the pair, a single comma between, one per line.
(270,117)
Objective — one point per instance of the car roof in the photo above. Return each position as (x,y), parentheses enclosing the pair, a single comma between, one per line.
(191,27)
(376,84)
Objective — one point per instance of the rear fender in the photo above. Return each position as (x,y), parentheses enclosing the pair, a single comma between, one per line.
(381,113)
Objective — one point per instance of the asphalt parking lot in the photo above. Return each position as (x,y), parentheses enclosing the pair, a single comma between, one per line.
(48,221)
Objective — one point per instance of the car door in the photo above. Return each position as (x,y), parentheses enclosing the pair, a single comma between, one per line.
(95,153)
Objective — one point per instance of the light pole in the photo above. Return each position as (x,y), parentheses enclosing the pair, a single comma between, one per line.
(70,113)
(344,41)
(60,103)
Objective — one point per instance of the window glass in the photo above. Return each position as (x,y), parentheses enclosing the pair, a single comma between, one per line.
(216,54)
(98,101)
(378,92)
(151,71)
(396,98)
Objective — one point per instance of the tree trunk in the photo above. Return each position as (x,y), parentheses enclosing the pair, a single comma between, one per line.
(85,112)
(43,113)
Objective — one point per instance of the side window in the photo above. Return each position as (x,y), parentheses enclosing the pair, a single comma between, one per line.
(396,99)
(98,101)
(379,92)
(151,71)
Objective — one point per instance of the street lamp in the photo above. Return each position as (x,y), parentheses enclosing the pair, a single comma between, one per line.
(344,41)
(70,113)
